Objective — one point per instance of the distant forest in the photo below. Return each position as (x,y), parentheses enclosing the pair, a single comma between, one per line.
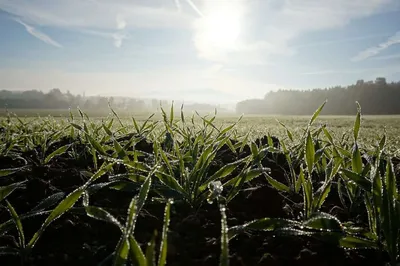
(375,97)
(55,99)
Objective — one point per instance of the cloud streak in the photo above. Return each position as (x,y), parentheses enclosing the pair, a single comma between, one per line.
(386,69)
(195,8)
(178,5)
(38,34)
(100,16)
(387,57)
(121,23)
(97,15)
(343,40)
(393,40)
(117,37)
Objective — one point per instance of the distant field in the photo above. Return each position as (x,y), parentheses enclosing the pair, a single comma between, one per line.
(63,112)
(372,127)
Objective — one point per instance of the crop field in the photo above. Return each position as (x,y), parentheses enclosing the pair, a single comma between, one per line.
(193,189)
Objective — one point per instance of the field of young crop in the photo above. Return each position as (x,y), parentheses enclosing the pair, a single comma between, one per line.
(176,189)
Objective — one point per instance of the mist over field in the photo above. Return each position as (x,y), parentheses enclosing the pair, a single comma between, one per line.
(377,98)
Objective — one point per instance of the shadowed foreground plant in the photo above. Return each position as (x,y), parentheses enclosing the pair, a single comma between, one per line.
(215,190)
(323,226)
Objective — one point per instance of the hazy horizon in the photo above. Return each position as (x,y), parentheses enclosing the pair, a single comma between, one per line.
(217,52)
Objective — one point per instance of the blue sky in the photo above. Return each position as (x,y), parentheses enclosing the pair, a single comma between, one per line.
(215,51)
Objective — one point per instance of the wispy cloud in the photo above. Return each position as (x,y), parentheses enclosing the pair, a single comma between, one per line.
(343,40)
(121,23)
(78,14)
(178,5)
(195,8)
(385,69)
(395,39)
(38,34)
(101,16)
(117,37)
(387,57)
(334,71)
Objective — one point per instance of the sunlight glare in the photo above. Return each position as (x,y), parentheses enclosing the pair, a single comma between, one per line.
(221,28)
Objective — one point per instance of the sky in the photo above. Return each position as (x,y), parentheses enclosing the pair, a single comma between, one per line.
(208,51)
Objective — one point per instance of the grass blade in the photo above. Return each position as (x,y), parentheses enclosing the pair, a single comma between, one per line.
(170,181)
(144,190)
(221,173)
(121,252)
(307,196)
(320,196)
(162,259)
(316,113)
(356,242)
(356,162)
(18,224)
(57,152)
(49,201)
(300,179)
(123,247)
(277,185)
(358,179)
(224,257)
(9,171)
(136,252)
(7,190)
(310,153)
(102,215)
(324,221)
(150,251)
(264,224)
(357,123)
(63,207)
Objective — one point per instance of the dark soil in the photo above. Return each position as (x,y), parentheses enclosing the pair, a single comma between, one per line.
(76,239)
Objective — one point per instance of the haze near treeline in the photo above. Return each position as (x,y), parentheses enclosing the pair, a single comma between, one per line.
(376,97)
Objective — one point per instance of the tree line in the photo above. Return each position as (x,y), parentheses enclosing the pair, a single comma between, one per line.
(375,97)
(55,99)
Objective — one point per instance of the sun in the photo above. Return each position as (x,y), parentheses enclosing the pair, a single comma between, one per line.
(221,28)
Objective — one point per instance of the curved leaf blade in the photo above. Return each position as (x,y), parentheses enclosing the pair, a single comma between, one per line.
(57,152)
